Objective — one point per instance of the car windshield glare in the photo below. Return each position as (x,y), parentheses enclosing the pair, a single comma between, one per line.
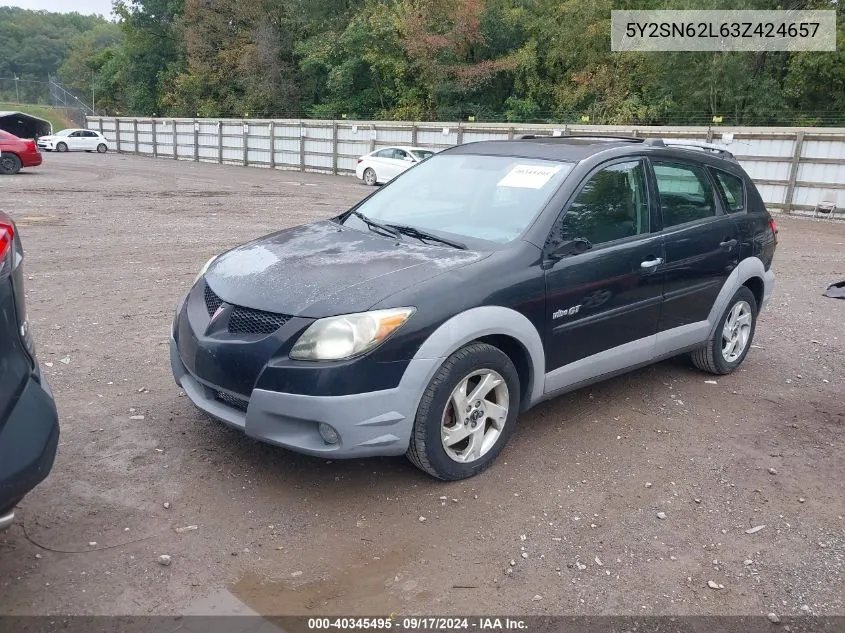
(488,198)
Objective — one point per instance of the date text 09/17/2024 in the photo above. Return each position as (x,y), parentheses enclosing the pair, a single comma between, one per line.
(418,623)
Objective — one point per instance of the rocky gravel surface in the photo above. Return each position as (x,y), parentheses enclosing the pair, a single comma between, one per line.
(664,491)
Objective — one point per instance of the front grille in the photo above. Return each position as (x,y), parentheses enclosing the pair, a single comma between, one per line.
(233,401)
(212,301)
(249,321)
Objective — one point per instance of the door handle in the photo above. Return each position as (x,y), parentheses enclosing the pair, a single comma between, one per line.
(651,263)
(728,244)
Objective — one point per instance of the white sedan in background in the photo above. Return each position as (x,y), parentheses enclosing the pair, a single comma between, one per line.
(74,140)
(385,164)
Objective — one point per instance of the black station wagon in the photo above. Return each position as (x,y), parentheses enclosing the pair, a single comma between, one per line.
(484,280)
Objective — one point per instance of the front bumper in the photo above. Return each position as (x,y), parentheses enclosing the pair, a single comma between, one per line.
(28,442)
(368,424)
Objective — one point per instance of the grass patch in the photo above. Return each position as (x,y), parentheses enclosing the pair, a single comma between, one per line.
(55,117)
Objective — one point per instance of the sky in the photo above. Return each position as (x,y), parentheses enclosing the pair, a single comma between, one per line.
(86,7)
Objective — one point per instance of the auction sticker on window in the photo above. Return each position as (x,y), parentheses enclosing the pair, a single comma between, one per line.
(528,176)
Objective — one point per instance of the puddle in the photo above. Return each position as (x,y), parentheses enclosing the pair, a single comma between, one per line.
(363,589)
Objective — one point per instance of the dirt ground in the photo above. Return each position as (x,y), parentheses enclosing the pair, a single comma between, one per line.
(111,244)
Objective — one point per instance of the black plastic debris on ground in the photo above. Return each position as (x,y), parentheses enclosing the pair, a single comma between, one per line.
(836,291)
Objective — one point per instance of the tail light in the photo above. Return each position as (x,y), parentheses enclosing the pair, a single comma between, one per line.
(774,228)
(7,238)
(32,146)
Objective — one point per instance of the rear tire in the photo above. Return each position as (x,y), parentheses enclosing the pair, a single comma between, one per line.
(732,338)
(61,147)
(370,177)
(102,149)
(483,430)
(10,164)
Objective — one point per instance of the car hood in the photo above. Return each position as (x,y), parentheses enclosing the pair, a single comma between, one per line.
(323,269)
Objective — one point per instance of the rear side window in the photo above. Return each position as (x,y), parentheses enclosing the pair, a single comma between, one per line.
(385,153)
(686,194)
(733,190)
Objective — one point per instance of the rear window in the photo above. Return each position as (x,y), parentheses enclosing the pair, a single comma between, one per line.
(732,189)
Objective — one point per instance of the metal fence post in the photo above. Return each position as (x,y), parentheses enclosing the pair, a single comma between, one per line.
(135,145)
(373,134)
(155,139)
(302,136)
(272,144)
(460,134)
(414,134)
(246,143)
(117,135)
(220,142)
(101,125)
(175,144)
(510,133)
(334,147)
(793,171)
(196,141)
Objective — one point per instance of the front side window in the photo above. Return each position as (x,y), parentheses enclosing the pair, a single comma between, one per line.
(732,190)
(466,196)
(686,194)
(612,205)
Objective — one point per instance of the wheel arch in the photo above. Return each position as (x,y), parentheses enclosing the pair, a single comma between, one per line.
(501,327)
(750,272)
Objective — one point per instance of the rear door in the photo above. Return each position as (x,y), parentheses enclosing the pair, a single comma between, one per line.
(702,241)
(608,296)
(383,164)
(91,140)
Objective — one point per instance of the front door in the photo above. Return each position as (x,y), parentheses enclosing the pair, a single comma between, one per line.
(609,295)
(702,243)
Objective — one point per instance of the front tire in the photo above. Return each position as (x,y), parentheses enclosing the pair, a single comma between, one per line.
(102,149)
(732,338)
(370,177)
(466,414)
(61,147)
(10,164)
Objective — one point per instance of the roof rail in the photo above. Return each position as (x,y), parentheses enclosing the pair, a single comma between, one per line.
(563,137)
(704,147)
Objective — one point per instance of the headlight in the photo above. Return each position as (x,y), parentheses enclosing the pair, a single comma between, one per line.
(341,337)
(204,269)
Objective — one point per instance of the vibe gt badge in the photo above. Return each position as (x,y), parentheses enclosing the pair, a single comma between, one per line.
(568,312)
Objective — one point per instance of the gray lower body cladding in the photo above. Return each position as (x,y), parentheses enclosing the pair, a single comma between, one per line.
(368,424)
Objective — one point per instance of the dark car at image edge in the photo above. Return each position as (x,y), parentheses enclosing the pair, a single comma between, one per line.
(489,278)
(29,428)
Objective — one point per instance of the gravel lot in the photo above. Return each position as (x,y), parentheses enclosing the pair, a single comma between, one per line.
(564,523)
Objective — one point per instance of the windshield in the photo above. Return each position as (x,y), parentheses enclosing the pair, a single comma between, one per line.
(490,198)
(422,154)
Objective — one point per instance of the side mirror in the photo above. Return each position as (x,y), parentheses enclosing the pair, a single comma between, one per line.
(570,247)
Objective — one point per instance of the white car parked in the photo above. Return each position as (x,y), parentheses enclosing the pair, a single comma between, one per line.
(72,140)
(385,164)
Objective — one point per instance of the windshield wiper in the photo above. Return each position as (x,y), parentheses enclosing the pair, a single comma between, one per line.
(376,225)
(413,231)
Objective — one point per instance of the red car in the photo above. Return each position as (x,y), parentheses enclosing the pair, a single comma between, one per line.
(16,153)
